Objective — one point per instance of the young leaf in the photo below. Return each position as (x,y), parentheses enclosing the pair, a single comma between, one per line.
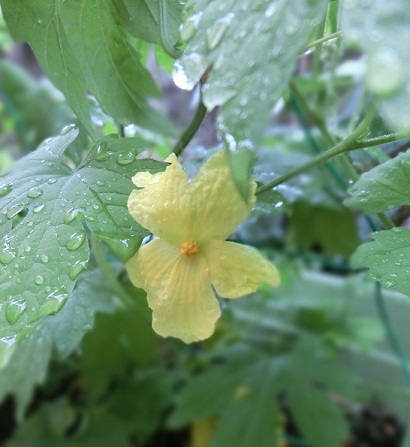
(388,258)
(43,253)
(383,35)
(384,187)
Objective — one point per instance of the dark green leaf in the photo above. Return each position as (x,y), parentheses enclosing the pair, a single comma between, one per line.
(384,187)
(382,33)
(47,248)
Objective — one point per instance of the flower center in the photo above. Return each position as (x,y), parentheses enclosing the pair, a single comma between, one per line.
(189,248)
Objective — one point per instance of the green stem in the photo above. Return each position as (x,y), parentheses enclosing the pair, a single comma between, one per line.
(344,146)
(192,129)
(163,30)
(323,40)
(121,131)
(108,274)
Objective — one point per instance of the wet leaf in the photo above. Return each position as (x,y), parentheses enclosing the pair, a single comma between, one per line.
(383,35)
(49,205)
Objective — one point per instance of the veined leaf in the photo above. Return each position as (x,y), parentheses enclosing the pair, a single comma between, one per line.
(43,253)
(388,258)
(384,187)
(382,33)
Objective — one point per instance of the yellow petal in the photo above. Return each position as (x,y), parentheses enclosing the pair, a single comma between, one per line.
(163,206)
(217,205)
(178,291)
(188,308)
(236,271)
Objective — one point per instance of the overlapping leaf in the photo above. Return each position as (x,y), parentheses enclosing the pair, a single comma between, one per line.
(46,248)
(382,32)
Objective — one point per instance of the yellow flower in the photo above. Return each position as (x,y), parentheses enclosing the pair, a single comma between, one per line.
(192,221)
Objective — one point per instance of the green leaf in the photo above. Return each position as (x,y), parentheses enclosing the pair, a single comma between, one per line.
(384,187)
(110,64)
(27,367)
(329,230)
(40,24)
(387,258)
(251,48)
(43,254)
(382,34)
(141,18)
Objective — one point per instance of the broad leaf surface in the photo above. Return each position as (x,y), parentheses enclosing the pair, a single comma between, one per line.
(40,24)
(381,30)
(387,258)
(384,187)
(141,18)
(27,367)
(47,248)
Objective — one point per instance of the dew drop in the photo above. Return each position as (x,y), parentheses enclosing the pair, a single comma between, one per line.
(217,31)
(126,157)
(270,10)
(103,151)
(188,70)
(27,249)
(39,279)
(76,269)
(100,183)
(66,129)
(44,259)
(76,240)
(217,94)
(38,207)
(189,28)
(54,302)
(7,254)
(5,189)
(70,215)
(51,181)
(14,210)
(33,193)
(15,310)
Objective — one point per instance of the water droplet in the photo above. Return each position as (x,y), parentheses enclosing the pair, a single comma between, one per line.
(7,254)
(217,31)
(390,283)
(100,183)
(66,129)
(70,215)
(38,207)
(27,249)
(217,94)
(51,181)
(109,198)
(15,309)
(54,302)
(270,10)
(126,157)
(39,279)
(189,28)
(44,259)
(33,193)
(76,269)
(5,189)
(103,151)
(188,70)
(386,72)
(14,210)
(96,207)
(76,240)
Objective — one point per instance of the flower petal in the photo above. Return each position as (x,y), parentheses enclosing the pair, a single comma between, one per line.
(217,205)
(236,271)
(163,206)
(178,291)
(188,308)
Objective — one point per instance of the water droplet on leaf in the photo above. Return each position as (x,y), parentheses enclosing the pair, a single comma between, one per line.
(15,310)
(33,193)
(76,240)
(7,255)
(126,157)
(217,94)
(44,259)
(217,31)
(188,70)
(39,279)
(38,207)
(66,129)
(76,269)
(14,210)
(103,151)
(5,189)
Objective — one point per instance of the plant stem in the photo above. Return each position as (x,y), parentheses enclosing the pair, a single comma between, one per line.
(163,30)
(323,40)
(192,129)
(346,145)
(121,132)
(108,274)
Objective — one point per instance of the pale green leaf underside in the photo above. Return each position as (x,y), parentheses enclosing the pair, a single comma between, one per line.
(47,248)
(251,47)
(384,187)
(382,31)
(387,258)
